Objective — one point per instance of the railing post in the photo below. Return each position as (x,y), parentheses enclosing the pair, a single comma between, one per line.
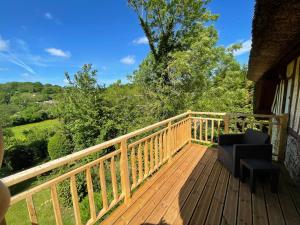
(124,171)
(189,128)
(226,123)
(4,192)
(169,142)
(283,121)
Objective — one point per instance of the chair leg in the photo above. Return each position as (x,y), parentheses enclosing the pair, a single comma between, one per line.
(274,181)
(242,174)
(252,181)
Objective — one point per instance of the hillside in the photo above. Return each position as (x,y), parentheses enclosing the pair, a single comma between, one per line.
(26,102)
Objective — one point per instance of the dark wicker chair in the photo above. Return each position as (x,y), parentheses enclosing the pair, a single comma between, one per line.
(250,145)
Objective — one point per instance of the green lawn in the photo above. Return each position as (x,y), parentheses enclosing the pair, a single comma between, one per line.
(18,130)
(18,214)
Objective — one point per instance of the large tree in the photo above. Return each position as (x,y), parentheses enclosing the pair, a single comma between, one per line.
(185,59)
(82,108)
(166,24)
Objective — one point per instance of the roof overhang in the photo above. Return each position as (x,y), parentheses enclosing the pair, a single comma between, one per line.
(275,33)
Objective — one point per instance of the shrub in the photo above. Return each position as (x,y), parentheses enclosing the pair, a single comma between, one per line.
(19,157)
(59,146)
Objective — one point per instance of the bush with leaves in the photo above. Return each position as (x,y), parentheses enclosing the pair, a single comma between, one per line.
(59,145)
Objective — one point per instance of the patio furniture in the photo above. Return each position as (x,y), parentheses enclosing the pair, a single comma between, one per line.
(250,145)
(257,166)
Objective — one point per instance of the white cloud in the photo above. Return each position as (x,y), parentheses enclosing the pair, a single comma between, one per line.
(48,16)
(246,47)
(4,44)
(128,60)
(141,41)
(58,52)
(15,60)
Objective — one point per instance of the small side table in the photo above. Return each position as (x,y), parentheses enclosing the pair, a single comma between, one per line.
(256,166)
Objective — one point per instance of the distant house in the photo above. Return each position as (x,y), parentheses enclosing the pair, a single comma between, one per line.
(274,65)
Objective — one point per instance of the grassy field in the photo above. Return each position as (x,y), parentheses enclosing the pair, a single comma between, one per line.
(18,213)
(18,130)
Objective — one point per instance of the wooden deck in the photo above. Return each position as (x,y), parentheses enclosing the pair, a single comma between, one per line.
(195,189)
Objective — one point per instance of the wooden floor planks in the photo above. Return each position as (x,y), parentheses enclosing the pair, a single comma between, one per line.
(196,189)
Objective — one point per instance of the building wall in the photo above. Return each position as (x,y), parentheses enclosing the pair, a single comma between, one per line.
(287,100)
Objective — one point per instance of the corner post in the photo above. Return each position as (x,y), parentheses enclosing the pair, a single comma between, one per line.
(124,171)
(189,127)
(226,119)
(283,121)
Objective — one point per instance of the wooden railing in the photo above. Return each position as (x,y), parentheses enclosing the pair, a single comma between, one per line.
(206,126)
(132,159)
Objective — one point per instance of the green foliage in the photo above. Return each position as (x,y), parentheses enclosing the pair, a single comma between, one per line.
(22,154)
(26,102)
(185,61)
(85,207)
(185,69)
(59,145)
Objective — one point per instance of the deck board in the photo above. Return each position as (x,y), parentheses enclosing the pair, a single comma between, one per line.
(194,188)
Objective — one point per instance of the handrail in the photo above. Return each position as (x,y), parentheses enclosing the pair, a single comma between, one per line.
(38,170)
(135,159)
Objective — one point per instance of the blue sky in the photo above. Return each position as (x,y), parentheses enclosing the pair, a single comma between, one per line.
(40,40)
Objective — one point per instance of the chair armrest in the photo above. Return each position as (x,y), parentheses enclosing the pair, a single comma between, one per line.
(230,139)
(252,151)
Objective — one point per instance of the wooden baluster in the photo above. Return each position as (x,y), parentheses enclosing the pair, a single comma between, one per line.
(212,130)
(200,129)
(183,133)
(156,151)
(189,127)
(146,159)
(226,123)
(173,140)
(114,178)
(140,163)
(124,172)
(55,203)
(151,155)
(103,185)
(270,127)
(31,210)
(236,123)
(169,139)
(206,130)
(260,126)
(90,190)
(165,146)
(75,200)
(133,167)
(195,129)
(161,156)
(179,135)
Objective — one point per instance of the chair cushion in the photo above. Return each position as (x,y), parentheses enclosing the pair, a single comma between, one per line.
(255,137)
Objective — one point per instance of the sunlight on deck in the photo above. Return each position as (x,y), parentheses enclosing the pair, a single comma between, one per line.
(196,189)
